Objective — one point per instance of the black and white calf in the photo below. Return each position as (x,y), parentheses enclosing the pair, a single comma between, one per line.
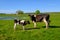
(40,18)
(21,22)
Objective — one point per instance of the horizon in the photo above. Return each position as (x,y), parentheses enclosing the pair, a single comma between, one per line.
(11,6)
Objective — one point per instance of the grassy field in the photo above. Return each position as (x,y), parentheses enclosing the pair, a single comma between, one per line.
(40,33)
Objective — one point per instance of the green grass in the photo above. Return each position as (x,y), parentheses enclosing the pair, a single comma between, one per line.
(53,33)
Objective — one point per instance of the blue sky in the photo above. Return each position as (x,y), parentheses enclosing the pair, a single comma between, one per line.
(11,6)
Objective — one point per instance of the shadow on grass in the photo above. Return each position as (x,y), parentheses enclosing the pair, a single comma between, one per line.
(30,28)
(42,27)
(52,26)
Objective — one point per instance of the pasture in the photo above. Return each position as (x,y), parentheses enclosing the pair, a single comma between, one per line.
(40,33)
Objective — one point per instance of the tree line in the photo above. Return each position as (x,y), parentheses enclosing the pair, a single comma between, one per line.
(22,12)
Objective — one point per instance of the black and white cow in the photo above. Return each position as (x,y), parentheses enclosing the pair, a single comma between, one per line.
(40,18)
(21,22)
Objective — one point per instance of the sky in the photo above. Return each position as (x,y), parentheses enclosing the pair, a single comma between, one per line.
(11,6)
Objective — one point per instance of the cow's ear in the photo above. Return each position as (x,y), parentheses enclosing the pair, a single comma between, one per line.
(34,15)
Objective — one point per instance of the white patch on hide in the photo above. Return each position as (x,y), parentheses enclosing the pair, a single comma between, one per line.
(44,20)
(34,15)
(22,21)
(18,23)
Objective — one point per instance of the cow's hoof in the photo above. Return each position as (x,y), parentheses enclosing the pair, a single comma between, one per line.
(46,28)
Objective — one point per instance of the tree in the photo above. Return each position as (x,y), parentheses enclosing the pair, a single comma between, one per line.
(37,12)
(19,12)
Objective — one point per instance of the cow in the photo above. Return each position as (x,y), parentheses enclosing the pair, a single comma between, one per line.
(40,18)
(21,22)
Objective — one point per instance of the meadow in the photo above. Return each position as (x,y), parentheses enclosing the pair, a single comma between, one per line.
(40,33)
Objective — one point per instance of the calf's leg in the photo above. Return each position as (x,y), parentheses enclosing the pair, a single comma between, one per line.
(14,26)
(23,28)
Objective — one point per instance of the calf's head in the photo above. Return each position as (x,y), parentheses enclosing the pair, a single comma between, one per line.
(27,22)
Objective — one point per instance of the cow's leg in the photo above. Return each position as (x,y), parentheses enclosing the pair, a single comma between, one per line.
(46,22)
(14,26)
(34,24)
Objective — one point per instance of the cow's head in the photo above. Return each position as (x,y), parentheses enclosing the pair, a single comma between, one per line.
(31,15)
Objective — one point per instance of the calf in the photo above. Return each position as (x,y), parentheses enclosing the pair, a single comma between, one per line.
(40,18)
(22,22)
